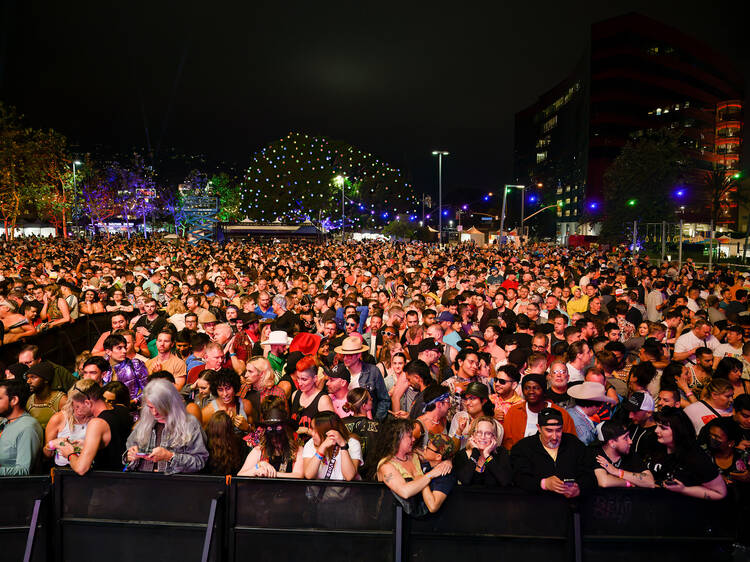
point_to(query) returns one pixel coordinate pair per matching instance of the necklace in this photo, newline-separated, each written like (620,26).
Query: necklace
(400,459)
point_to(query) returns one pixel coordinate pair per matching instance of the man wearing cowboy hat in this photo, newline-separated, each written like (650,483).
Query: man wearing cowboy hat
(278,340)
(364,375)
(589,397)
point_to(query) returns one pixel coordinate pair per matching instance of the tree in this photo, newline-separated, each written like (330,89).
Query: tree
(54,187)
(98,200)
(639,182)
(400,229)
(227,189)
(718,186)
(17,170)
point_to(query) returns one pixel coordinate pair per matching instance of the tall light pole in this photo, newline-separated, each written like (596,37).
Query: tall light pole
(505,196)
(440,154)
(341,182)
(65,228)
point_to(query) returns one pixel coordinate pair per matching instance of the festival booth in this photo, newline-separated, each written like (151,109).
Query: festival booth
(34,228)
(473,235)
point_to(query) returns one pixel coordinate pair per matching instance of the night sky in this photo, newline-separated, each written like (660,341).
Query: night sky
(395,79)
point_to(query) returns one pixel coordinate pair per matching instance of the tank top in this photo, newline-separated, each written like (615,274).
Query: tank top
(240,412)
(110,456)
(302,415)
(77,434)
(43,411)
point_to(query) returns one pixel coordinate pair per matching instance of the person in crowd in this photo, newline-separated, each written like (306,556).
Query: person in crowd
(338,388)
(225,447)
(552,460)
(166,360)
(363,374)
(483,462)
(557,385)
(308,400)
(407,399)
(435,416)
(730,368)
(720,438)
(43,402)
(94,368)
(62,379)
(439,448)
(716,401)
(91,303)
(55,309)
(65,425)
(225,384)
(476,399)
(682,466)
(20,433)
(165,439)
(115,392)
(358,419)
(613,462)
(259,382)
(106,432)
(331,453)
(589,397)
(642,429)
(521,419)
(401,470)
(131,372)
(505,385)
(279,453)
(16,326)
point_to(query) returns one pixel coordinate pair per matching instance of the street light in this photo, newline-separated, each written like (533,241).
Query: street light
(340,181)
(440,154)
(75,163)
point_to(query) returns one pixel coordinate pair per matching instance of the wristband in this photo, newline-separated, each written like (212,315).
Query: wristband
(319,456)
(488,459)
(689,393)
(232,355)
(544,484)
(345,447)
(621,474)
(628,484)
(257,466)
(71,454)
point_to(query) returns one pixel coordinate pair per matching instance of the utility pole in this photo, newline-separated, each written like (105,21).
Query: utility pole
(440,154)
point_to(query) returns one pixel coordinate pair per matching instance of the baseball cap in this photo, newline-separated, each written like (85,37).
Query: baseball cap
(550,416)
(446,316)
(639,401)
(340,372)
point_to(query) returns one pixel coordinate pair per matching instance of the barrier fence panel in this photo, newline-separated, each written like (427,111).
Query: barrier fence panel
(18,495)
(625,523)
(309,520)
(493,524)
(61,345)
(128,516)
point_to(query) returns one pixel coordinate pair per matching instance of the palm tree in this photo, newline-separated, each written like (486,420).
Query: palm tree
(718,186)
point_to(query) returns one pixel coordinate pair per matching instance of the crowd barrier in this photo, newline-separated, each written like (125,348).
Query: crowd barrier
(129,516)
(61,344)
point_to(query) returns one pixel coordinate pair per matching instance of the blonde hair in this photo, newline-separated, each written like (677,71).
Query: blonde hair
(481,419)
(175,306)
(267,377)
(73,394)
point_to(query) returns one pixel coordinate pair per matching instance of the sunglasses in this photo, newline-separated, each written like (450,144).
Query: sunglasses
(502,381)
(351,324)
(389,334)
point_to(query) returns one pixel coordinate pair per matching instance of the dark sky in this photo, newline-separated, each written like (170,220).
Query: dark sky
(395,79)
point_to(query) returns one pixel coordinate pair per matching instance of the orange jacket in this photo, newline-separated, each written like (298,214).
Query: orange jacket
(514,423)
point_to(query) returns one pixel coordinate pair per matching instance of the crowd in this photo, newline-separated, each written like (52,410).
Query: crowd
(552,369)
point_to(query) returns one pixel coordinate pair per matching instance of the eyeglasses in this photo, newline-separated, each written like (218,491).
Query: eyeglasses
(502,381)
(351,324)
(389,334)
(563,372)
(484,433)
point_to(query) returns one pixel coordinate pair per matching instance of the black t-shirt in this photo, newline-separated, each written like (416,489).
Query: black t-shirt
(110,457)
(632,462)
(442,484)
(692,467)
(645,442)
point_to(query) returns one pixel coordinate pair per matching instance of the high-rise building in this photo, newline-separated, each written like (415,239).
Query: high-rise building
(637,75)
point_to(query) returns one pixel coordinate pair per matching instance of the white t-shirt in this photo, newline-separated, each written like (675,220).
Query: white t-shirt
(689,340)
(726,350)
(355,452)
(532,418)
(574,374)
(700,414)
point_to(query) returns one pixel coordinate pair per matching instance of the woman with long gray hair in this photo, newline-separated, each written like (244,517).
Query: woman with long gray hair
(165,439)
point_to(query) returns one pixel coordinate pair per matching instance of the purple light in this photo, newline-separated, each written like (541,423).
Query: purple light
(532,198)
(465,207)
(445,213)
(427,216)
(593,205)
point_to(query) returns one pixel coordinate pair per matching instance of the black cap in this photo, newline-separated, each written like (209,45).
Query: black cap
(429,344)
(339,371)
(477,389)
(550,416)
(18,370)
(291,361)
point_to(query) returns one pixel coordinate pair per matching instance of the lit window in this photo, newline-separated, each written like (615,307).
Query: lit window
(548,125)
(567,212)
(658,110)
(567,200)
(559,190)
(686,104)
(541,156)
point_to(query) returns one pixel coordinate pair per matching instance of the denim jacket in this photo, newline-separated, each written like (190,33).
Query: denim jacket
(187,458)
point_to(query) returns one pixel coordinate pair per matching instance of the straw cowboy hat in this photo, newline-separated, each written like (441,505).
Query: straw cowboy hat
(590,390)
(277,337)
(350,346)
